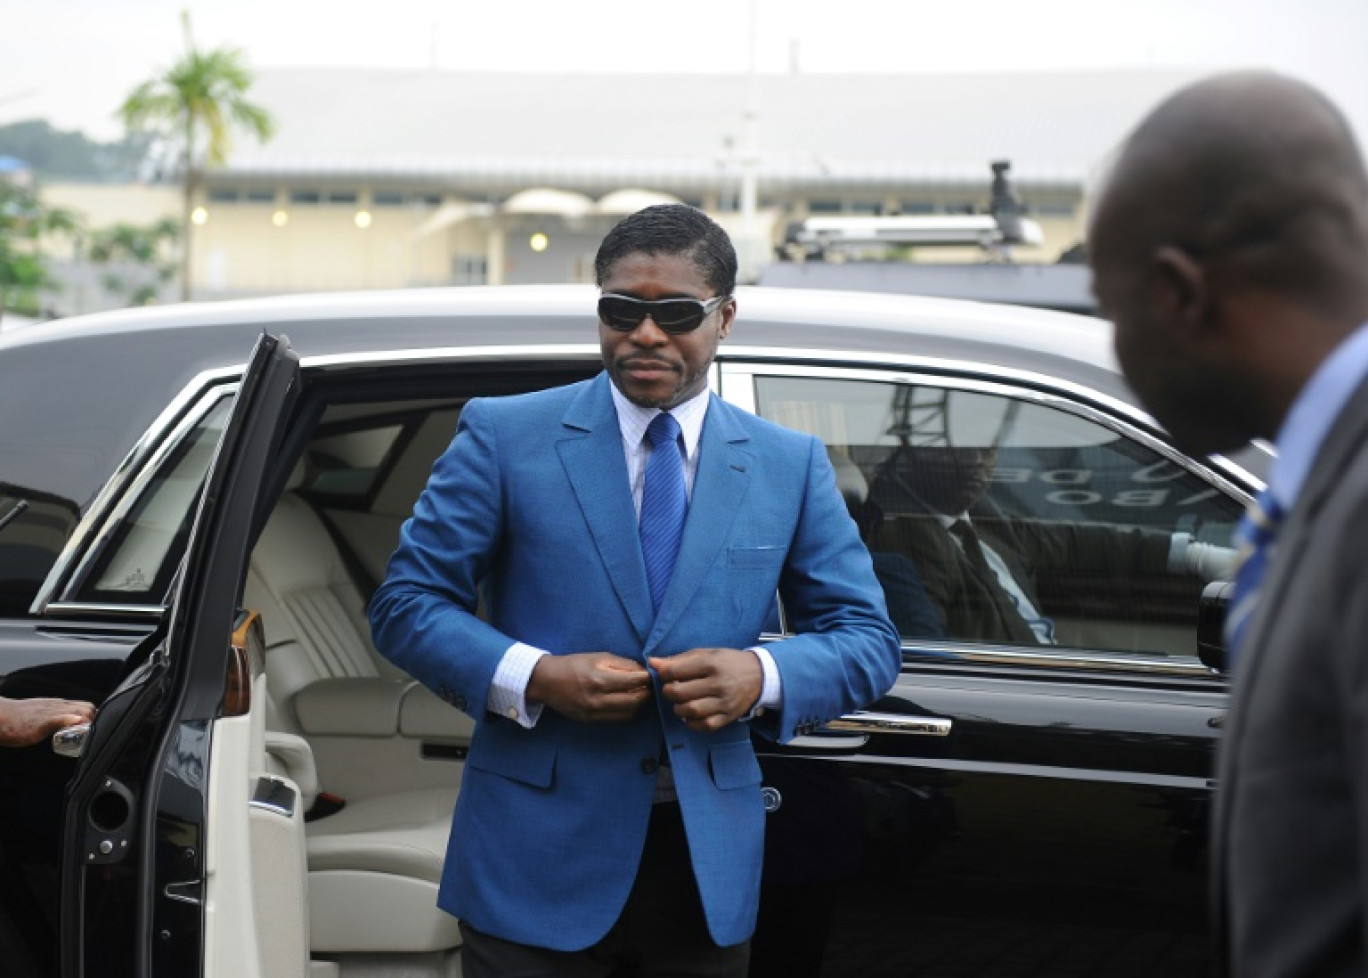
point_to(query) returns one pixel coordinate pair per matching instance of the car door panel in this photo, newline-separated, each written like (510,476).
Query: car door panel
(1055,808)
(1006,808)
(132,903)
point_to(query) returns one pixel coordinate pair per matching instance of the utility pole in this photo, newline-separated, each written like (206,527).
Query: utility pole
(751,254)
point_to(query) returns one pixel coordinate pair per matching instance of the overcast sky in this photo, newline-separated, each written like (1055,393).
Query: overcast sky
(72,61)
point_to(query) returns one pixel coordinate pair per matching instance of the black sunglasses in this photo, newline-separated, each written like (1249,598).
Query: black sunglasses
(674,316)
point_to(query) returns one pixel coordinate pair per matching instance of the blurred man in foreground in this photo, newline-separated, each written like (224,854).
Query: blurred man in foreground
(1230,248)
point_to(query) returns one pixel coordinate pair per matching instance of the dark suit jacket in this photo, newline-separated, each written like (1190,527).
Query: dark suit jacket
(1290,843)
(975,607)
(530,506)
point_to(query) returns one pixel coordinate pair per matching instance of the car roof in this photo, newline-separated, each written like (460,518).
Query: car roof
(110,374)
(217,334)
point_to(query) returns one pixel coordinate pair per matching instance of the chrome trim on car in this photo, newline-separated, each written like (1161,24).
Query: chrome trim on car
(870,721)
(1083,661)
(380,358)
(140,612)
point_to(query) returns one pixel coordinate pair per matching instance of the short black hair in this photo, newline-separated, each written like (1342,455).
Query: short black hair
(672,229)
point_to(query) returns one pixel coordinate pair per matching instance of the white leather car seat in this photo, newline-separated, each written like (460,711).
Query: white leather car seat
(314,613)
(374,866)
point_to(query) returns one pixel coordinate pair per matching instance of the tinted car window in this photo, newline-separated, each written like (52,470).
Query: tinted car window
(136,563)
(34,527)
(999,519)
(344,467)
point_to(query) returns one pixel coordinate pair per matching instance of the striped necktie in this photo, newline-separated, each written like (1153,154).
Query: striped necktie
(1254,538)
(663,504)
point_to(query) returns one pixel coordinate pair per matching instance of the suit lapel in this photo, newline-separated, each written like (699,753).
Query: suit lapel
(1341,446)
(592,456)
(724,463)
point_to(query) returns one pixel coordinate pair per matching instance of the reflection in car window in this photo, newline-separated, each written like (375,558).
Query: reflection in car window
(997,520)
(135,566)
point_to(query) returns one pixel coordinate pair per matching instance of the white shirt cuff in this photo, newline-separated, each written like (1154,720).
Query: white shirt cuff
(508,688)
(772,692)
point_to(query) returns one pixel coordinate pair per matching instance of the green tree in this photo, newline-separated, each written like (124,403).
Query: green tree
(195,105)
(58,154)
(134,259)
(24,222)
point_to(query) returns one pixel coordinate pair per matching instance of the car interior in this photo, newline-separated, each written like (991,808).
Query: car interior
(376,757)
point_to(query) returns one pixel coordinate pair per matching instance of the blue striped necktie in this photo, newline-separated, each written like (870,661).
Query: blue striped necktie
(1254,538)
(663,504)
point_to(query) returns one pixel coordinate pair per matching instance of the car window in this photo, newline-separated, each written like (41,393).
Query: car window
(143,548)
(34,528)
(997,519)
(344,467)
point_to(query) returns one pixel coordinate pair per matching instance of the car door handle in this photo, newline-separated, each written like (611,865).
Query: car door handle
(868,721)
(71,741)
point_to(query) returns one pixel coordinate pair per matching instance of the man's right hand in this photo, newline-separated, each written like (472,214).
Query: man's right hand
(592,687)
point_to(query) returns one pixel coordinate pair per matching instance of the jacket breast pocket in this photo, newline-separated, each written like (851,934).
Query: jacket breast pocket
(755,558)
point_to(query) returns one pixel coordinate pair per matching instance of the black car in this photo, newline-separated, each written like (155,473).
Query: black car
(196,501)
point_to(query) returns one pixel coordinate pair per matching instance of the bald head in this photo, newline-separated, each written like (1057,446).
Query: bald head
(1230,250)
(1254,172)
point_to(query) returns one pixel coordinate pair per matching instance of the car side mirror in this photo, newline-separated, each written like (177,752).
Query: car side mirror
(1211,616)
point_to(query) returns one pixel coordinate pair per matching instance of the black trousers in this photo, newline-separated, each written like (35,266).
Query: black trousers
(661,934)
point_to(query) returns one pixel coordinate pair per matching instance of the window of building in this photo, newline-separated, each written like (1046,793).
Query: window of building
(347,197)
(222,195)
(258,196)
(824,207)
(469,270)
(305,197)
(387,199)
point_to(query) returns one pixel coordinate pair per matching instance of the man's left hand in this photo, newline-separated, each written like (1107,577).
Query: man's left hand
(711,688)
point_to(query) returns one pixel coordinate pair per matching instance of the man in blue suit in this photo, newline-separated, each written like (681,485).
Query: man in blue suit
(628,536)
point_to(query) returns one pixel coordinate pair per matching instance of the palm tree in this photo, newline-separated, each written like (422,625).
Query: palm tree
(196,104)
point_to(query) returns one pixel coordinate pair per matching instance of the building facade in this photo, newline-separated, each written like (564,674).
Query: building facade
(393,179)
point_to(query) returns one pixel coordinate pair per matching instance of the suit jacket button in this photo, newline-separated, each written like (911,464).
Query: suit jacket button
(649,765)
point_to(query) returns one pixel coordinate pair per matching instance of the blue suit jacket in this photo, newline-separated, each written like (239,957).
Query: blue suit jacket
(530,507)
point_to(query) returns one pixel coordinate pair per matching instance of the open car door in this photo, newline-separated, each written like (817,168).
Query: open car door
(138,856)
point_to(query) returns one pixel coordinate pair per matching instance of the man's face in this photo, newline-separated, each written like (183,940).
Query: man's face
(653,368)
(949,480)
(1200,398)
